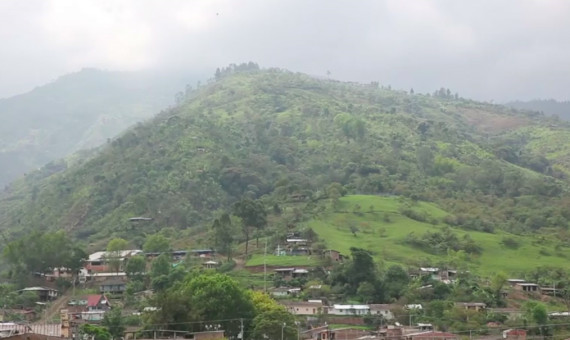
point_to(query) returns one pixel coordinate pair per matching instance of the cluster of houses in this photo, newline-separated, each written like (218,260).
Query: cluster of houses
(104,271)
(396,332)
(295,245)
(386,311)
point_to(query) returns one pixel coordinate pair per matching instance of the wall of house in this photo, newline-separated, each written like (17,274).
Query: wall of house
(32,336)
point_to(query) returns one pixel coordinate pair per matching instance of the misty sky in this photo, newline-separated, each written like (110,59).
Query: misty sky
(491,50)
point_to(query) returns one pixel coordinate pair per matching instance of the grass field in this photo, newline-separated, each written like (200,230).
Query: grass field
(247,279)
(384,238)
(272,260)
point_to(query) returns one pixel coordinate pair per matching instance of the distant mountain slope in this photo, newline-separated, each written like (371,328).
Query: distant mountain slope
(279,136)
(77,111)
(548,106)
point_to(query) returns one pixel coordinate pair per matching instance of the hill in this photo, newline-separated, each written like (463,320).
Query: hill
(77,111)
(283,137)
(388,239)
(547,106)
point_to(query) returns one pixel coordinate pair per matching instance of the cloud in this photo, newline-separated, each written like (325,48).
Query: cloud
(484,49)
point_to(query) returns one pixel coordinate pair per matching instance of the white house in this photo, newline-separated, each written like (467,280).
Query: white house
(384,310)
(349,310)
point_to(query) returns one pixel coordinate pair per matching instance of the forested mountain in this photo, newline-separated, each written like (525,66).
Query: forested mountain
(279,136)
(77,111)
(547,106)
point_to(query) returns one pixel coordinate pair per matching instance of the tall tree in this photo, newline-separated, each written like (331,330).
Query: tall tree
(253,215)
(222,229)
(135,268)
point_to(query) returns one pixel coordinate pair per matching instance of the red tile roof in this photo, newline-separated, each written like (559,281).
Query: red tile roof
(93,300)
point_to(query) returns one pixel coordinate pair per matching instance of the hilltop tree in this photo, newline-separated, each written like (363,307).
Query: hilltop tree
(253,215)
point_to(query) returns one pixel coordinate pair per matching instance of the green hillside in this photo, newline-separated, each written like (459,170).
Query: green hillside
(77,111)
(385,239)
(290,140)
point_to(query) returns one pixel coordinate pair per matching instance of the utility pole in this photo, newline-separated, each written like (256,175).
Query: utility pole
(240,335)
(282,329)
(265,268)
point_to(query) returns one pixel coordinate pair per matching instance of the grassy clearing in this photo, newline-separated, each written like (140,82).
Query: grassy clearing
(272,260)
(384,239)
(247,279)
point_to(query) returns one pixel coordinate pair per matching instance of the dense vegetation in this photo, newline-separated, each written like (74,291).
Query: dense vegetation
(77,111)
(274,136)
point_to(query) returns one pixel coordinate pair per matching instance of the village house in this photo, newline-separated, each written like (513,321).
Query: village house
(56,273)
(44,293)
(300,251)
(319,333)
(432,336)
(285,291)
(210,264)
(527,287)
(514,334)
(476,306)
(391,332)
(349,309)
(384,310)
(430,271)
(294,241)
(292,273)
(112,286)
(334,255)
(550,291)
(175,255)
(97,302)
(514,282)
(305,307)
(101,277)
(100,261)
(558,315)
(203,253)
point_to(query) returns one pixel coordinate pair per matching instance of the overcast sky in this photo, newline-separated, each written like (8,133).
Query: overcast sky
(491,50)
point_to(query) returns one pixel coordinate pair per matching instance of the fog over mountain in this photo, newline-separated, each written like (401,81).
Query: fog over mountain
(78,111)
(486,50)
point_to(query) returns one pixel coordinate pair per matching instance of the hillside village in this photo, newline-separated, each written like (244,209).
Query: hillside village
(324,210)
(104,282)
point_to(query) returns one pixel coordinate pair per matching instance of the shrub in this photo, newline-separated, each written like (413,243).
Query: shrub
(510,242)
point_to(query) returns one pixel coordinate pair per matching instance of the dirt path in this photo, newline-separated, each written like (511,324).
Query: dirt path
(54,308)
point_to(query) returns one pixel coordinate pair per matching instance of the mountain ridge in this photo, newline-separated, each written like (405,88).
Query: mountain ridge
(273,135)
